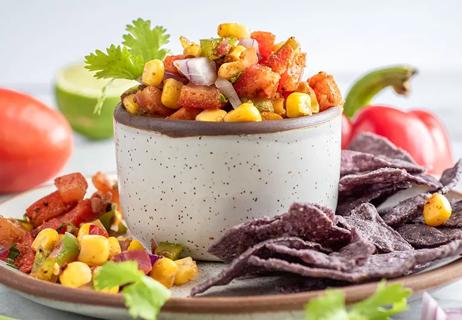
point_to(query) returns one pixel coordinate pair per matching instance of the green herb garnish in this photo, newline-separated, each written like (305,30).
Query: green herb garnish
(13,253)
(140,44)
(387,301)
(143,295)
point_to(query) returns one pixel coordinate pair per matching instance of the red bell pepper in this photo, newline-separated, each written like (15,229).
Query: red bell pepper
(418,132)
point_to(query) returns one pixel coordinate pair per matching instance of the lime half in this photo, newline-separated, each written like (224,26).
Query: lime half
(77,91)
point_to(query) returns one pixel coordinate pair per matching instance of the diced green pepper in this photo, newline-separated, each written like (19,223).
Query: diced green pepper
(208,47)
(111,218)
(66,251)
(263,105)
(169,250)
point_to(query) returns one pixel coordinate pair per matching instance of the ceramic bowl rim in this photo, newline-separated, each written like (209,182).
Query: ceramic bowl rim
(190,128)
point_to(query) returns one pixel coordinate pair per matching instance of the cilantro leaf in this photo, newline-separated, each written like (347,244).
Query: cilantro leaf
(143,295)
(144,41)
(384,303)
(145,298)
(116,63)
(141,44)
(114,274)
(330,306)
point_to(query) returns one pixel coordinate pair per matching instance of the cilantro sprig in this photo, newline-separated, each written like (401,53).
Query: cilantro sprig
(143,295)
(387,301)
(140,44)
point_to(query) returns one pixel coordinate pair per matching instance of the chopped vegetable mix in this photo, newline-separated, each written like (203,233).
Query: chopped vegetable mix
(260,74)
(78,242)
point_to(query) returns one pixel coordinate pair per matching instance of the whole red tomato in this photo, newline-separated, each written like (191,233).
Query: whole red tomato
(35,141)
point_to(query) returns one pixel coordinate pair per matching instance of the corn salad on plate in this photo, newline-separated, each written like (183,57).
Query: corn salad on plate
(71,288)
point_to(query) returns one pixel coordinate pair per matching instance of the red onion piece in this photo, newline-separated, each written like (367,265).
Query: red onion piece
(227,89)
(140,256)
(4,252)
(250,43)
(200,71)
(431,310)
(154,258)
(168,75)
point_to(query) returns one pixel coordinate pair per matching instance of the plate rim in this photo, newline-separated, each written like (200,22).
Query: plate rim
(418,282)
(23,283)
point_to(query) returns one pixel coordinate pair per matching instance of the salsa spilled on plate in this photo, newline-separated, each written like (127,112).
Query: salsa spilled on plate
(66,238)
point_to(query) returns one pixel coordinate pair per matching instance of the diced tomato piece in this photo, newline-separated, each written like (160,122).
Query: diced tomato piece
(326,89)
(185,114)
(149,100)
(72,187)
(26,257)
(257,81)
(102,182)
(280,60)
(83,212)
(10,232)
(95,230)
(290,79)
(168,62)
(47,208)
(54,223)
(265,43)
(200,97)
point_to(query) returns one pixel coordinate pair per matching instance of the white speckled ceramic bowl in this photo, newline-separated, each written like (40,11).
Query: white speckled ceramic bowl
(189,181)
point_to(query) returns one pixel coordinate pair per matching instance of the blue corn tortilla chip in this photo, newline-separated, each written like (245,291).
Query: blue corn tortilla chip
(379,146)
(456,217)
(346,205)
(404,211)
(451,177)
(379,179)
(348,257)
(355,162)
(424,236)
(377,266)
(368,224)
(306,221)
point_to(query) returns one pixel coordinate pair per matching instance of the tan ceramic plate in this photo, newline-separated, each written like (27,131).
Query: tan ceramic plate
(250,298)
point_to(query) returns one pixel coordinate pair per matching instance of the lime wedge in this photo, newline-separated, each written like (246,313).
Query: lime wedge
(76,93)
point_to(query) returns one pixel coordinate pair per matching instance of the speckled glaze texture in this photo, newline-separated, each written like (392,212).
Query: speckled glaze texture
(190,190)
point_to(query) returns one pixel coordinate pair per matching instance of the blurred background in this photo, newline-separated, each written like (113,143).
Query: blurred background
(346,38)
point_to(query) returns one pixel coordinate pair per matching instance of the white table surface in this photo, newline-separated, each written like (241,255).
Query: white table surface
(90,156)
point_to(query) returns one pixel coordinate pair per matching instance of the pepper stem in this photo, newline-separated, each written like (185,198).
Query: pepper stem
(364,90)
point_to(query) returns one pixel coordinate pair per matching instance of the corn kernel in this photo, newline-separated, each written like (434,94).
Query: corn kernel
(135,245)
(230,70)
(164,271)
(235,53)
(130,104)
(153,72)
(94,250)
(171,93)
(189,47)
(192,50)
(114,246)
(75,275)
(437,210)
(234,30)
(212,115)
(84,230)
(270,116)
(298,104)
(113,290)
(246,112)
(45,240)
(278,106)
(187,271)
